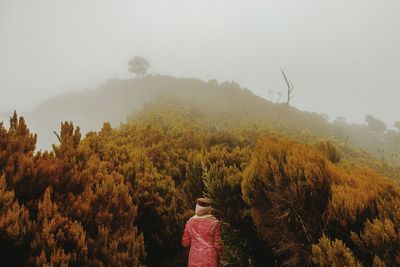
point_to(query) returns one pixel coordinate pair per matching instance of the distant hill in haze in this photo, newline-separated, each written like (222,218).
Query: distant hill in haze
(112,101)
(226,104)
(116,99)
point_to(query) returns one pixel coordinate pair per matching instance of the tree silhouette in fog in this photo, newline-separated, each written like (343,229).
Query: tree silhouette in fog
(376,126)
(139,66)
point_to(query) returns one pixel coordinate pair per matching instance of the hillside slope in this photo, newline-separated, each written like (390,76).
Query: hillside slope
(227,105)
(121,196)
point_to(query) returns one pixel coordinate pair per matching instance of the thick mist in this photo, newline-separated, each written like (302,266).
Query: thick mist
(342,56)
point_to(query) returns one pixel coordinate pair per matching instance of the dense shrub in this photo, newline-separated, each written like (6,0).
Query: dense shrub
(287,186)
(120,197)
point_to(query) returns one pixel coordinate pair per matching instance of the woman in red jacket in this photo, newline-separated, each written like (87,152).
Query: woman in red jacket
(203,235)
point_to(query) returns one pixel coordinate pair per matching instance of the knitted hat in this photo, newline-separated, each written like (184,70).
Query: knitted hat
(204,202)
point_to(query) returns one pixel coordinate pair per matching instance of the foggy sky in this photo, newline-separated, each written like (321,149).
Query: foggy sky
(342,56)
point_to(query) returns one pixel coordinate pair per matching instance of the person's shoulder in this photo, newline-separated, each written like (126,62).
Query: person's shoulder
(214,220)
(208,217)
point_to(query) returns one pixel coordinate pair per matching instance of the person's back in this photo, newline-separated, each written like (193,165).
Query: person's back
(203,235)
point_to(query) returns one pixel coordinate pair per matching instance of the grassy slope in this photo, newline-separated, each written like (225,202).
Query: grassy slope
(226,105)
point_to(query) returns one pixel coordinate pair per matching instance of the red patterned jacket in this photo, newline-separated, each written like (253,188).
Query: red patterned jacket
(203,235)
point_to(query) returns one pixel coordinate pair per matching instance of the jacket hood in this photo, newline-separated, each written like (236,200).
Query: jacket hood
(201,211)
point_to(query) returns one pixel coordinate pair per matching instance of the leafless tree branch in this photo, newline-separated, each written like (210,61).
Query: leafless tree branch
(289,87)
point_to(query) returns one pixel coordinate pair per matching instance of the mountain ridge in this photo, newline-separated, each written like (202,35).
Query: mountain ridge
(116,99)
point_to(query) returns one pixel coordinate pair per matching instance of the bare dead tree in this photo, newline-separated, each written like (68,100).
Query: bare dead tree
(58,136)
(289,87)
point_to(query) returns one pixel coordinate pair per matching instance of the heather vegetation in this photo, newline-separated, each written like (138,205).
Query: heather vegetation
(288,187)
(115,99)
